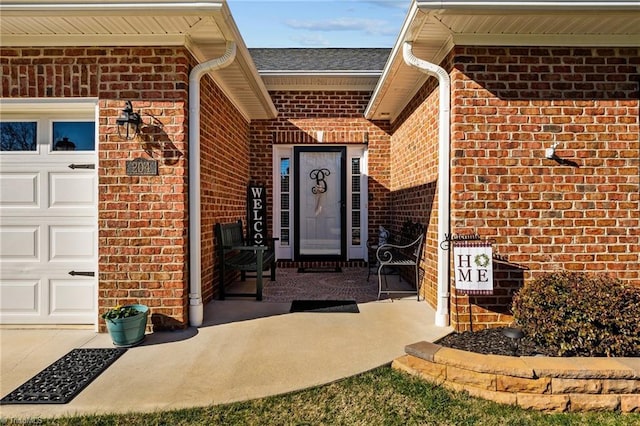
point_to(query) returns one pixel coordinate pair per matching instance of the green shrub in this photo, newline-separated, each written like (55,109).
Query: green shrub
(578,314)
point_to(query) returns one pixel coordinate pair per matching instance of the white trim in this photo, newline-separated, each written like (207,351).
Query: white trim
(352,151)
(357,251)
(529,5)
(584,40)
(49,105)
(388,71)
(196,307)
(280,152)
(28,40)
(159,7)
(444,147)
(320,73)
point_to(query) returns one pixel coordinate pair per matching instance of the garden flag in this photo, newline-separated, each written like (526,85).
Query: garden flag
(473,267)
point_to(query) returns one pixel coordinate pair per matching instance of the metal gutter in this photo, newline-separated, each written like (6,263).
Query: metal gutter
(322,73)
(506,5)
(157,6)
(196,307)
(444,172)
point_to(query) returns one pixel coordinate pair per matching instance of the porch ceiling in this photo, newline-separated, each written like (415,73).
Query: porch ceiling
(318,81)
(203,27)
(434,31)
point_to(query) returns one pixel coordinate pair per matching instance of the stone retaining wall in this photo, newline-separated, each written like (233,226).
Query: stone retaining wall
(540,383)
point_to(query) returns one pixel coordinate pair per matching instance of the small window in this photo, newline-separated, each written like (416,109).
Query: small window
(18,136)
(74,136)
(356,196)
(285,202)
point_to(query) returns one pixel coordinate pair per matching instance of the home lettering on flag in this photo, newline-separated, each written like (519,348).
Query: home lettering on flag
(473,267)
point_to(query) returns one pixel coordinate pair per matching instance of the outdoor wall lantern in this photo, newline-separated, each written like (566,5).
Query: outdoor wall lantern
(550,153)
(128,122)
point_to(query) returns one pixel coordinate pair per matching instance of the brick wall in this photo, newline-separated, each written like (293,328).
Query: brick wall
(143,221)
(340,116)
(414,176)
(224,162)
(580,212)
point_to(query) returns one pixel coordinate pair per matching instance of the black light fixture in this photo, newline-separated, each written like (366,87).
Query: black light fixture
(515,334)
(128,122)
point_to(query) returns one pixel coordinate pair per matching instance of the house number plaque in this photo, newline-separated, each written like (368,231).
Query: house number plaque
(142,167)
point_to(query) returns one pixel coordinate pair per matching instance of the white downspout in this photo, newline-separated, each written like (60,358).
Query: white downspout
(196,308)
(442,308)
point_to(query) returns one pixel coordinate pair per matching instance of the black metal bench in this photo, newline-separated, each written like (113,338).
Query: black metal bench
(402,251)
(235,254)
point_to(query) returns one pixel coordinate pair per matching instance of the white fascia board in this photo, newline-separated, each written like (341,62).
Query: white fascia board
(158,7)
(395,57)
(319,73)
(549,5)
(231,32)
(575,40)
(93,40)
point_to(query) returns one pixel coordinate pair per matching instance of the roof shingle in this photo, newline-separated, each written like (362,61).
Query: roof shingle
(323,59)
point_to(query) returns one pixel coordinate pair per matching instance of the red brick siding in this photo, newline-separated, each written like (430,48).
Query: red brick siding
(340,115)
(414,177)
(224,163)
(509,104)
(143,221)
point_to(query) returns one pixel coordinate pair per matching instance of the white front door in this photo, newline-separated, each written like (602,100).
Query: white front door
(294,202)
(320,188)
(48,215)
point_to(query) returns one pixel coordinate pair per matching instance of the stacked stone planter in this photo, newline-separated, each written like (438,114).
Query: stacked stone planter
(540,383)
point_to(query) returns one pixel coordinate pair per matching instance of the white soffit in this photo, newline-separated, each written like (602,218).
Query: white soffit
(318,81)
(436,27)
(203,27)
(70,23)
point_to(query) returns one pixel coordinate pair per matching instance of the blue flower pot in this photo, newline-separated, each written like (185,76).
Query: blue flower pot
(128,332)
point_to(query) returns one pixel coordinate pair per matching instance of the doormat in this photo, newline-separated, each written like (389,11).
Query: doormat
(60,382)
(331,269)
(348,306)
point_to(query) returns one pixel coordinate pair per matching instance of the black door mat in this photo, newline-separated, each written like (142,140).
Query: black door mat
(348,306)
(321,269)
(60,382)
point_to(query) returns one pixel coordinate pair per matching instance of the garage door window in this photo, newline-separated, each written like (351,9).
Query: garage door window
(73,136)
(18,136)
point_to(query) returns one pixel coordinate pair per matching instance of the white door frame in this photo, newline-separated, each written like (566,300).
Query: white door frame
(356,158)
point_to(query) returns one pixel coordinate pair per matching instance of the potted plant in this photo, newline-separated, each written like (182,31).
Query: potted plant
(127,324)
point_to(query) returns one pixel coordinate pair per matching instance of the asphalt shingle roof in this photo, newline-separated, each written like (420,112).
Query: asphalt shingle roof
(323,59)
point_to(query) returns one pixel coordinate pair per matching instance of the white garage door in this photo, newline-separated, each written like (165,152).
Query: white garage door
(48,213)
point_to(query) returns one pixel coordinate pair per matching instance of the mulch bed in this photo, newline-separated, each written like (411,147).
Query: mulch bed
(491,342)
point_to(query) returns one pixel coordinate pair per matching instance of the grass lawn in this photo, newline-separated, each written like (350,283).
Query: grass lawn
(379,397)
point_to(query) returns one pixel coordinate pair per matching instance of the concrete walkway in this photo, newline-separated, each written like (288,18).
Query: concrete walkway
(245,350)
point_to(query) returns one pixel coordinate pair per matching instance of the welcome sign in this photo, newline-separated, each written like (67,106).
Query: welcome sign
(473,267)
(256,214)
